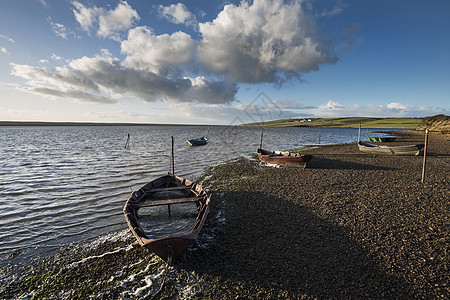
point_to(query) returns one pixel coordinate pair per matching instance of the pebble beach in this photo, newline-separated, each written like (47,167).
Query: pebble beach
(348,226)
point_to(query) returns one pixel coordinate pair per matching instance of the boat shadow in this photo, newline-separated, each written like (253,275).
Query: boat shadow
(435,153)
(275,246)
(336,163)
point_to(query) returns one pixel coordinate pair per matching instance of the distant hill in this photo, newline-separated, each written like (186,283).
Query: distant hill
(439,123)
(352,122)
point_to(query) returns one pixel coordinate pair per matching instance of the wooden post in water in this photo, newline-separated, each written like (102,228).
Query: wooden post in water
(425,155)
(127,143)
(172,165)
(172,159)
(319,135)
(260,143)
(359,132)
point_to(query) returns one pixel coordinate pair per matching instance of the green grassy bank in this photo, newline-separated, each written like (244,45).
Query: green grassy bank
(352,122)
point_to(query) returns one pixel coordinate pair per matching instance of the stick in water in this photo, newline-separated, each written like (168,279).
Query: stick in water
(260,143)
(359,132)
(127,144)
(172,160)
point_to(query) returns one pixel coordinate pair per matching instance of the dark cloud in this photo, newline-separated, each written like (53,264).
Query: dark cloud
(102,78)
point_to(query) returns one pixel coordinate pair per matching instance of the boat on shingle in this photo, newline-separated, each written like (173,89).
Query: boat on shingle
(283,157)
(390,150)
(166,190)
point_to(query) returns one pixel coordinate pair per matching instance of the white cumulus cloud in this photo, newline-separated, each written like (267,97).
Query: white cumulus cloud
(158,54)
(397,105)
(44,3)
(85,16)
(113,21)
(177,14)
(265,41)
(393,109)
(109,23)
(56,57)
(331,105)
(7,38)
(61,30)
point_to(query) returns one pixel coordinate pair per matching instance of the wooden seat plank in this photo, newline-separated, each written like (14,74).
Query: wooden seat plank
(170,201)
(172,188)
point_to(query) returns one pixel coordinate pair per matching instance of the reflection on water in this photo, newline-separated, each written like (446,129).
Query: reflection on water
(65,184)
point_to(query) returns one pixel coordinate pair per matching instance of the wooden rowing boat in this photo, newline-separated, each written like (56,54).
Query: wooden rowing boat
(286,157)
(166,190)
(282,157)
(390,150)
(198,142)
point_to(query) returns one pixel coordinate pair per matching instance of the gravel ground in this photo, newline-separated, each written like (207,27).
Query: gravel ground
(349,226)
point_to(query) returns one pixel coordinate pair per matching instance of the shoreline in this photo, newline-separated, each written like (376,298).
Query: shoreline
(350,225)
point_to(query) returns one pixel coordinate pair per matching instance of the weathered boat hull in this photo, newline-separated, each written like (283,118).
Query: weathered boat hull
(390,150)
(170,246)
(285,158)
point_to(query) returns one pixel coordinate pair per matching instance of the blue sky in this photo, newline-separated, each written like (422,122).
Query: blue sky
(222,62)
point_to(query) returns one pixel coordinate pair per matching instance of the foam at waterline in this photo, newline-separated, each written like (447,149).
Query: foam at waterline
(208,235)
(131,278)
(120,273)
(75,264)
(149,280)
(267,164)
(110,237)
(93,244)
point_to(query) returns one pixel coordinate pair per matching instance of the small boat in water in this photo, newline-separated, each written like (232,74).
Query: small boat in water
(198,142)
(390,150)
(286,157)
(166,190)
(383,139)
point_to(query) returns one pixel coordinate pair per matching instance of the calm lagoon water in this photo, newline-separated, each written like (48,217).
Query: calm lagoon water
(66,184)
